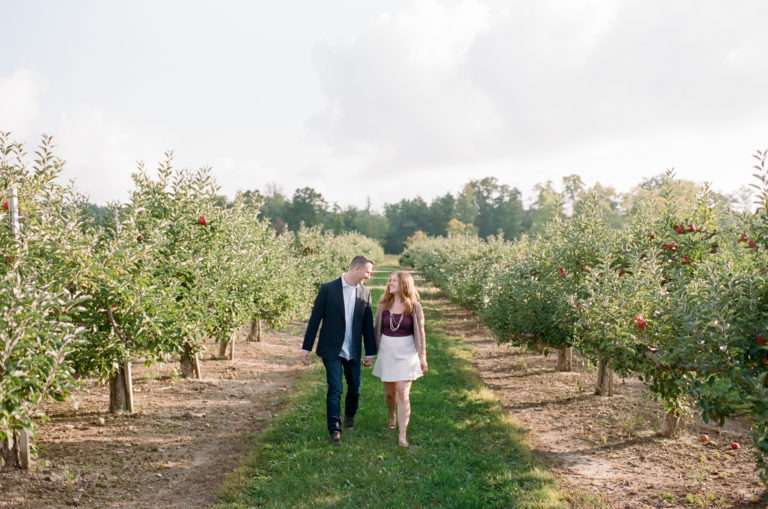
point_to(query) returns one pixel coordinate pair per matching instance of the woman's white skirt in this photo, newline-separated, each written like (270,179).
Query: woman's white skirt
(397,359)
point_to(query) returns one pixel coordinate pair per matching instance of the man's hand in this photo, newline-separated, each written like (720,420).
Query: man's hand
(368,361)
(305,357)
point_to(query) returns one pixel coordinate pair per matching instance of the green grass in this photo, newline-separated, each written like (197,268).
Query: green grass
(464,453)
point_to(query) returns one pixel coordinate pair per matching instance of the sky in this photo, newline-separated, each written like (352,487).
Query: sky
(382,100)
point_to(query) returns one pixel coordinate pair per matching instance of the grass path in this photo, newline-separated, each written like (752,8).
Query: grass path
(463,454)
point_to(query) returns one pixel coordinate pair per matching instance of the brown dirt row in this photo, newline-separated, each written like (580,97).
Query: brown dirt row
(605,451)
(175,451)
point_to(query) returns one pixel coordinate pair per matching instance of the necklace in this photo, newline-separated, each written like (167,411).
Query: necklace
(392,326)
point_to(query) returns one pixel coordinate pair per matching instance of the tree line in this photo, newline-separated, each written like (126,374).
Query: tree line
(483,207)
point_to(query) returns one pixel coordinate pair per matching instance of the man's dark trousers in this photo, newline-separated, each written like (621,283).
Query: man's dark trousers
(333,369)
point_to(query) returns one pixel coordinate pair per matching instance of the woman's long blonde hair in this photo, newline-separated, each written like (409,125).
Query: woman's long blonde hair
(408,293)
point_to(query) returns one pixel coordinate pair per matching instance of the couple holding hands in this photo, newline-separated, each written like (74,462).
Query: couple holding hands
(395,338)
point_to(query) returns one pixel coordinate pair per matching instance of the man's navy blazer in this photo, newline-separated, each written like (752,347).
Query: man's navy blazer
(329,309)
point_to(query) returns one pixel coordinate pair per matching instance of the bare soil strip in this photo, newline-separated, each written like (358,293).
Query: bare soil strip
(175,451)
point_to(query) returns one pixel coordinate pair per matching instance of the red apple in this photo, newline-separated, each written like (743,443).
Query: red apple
(752,244)
(640,322)
(735,445)
(704,438)
(202,221)
(691,228)
(5,205)
(760,340)
(562,272)
(680,229)
(743,237)
(686,260)
(669,246)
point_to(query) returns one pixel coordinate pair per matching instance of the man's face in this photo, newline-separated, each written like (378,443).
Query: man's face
(362,273)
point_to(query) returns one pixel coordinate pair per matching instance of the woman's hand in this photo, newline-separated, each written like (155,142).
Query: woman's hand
(424,365)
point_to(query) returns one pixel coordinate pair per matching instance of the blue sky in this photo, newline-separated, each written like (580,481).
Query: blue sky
(386,99)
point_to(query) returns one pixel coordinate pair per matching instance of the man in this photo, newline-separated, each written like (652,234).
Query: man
(344,308)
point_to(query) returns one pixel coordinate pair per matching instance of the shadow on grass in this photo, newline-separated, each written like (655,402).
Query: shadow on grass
(519,372)
(523,405)
(587,454)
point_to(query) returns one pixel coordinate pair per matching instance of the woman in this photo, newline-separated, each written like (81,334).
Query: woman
(402,348)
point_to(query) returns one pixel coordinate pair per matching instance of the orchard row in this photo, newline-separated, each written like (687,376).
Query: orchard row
(83,295)
(676,294)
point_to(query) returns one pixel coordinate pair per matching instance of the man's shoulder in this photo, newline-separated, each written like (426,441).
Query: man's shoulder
(324,287)
(330,283)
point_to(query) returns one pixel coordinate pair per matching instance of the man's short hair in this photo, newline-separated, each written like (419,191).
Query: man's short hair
(359,261)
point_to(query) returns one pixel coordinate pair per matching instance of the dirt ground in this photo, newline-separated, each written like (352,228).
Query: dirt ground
(605,450)
(175,451)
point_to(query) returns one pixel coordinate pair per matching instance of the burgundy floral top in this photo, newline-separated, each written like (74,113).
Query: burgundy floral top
(405,328)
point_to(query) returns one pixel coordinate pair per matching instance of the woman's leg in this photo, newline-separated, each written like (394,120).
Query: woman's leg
(403,390)
(389,395)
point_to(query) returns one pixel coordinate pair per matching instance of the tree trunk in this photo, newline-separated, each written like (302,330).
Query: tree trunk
(8,453)
(673,420)
(22,446)
(190,364)
(565,359)
(255,333)
(604,379)
(121,390)
(15,450)
(223,348)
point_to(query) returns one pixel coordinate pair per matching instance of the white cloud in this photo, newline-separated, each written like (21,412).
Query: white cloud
(400,91)
(433,35)
(101,151)
(20,102)
(434,91)
(445,83)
